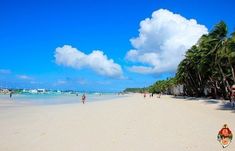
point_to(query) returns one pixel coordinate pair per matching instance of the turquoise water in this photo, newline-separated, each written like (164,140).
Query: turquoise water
(58,98)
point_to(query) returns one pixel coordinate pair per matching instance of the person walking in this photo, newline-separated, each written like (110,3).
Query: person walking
(83,98)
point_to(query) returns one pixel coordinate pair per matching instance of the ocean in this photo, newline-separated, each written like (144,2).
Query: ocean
(55,98)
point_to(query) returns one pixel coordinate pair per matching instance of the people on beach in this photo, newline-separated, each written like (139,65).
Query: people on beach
(232,100)
(83,98)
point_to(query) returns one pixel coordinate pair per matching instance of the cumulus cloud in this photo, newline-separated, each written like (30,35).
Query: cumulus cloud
(97,61)
(162,42)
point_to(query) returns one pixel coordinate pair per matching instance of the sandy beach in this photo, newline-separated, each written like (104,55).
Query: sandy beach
(124,124)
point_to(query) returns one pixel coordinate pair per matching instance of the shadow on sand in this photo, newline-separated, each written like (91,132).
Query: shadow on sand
(185,98)
(224,105)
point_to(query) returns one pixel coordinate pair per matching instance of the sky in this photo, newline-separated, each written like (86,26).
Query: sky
(100,45)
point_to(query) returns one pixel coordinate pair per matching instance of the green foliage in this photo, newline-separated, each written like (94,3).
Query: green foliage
(162,85)
(209,64)
(135,90)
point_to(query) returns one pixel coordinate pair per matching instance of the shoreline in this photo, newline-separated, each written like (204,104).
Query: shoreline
(42,100)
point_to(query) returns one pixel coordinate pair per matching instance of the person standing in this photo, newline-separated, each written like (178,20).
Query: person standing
(83,98)
(11,94)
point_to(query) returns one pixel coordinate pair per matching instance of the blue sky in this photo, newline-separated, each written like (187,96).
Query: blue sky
(31,32)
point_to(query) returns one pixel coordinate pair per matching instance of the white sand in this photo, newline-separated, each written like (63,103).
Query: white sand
(124,124)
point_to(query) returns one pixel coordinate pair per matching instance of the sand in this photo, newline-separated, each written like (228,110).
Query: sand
(123,124)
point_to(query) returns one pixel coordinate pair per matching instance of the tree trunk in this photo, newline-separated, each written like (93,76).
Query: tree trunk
(233,72)
(215,87)
(225,81)
(216,90)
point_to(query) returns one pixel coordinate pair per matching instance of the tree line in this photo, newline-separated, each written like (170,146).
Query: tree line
(136,90)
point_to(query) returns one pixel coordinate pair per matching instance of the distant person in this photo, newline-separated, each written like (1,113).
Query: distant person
(11,94)
(144,95)
(83,98)
(233,96)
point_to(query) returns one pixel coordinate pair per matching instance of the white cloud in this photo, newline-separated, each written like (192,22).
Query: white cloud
(82,81)
(24,77)
(162,42)
(141,69)
(97,61)
(60,82)
(5,71)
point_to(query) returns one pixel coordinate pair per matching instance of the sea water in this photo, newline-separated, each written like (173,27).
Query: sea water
(58,98)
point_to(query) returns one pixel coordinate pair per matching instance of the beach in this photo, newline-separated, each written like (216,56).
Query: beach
(132,123)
